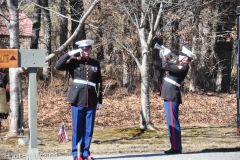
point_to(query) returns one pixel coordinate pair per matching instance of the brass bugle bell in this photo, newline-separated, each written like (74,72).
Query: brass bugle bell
(158,46)
(4,108)
(166,53)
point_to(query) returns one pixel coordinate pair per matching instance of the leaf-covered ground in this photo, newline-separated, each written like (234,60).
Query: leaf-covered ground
(120,109)
(124,110)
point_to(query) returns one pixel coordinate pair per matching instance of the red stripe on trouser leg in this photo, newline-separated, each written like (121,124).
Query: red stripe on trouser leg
(172,124)
(86,95)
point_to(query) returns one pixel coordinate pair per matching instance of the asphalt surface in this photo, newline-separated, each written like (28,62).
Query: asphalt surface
(160,156)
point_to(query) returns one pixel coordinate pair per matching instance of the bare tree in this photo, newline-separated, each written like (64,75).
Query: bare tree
(145,22)
(12,22)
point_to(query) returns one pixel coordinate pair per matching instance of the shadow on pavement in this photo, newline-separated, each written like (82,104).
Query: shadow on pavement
(162,154)
(222,150)
(236,149)
(134,156)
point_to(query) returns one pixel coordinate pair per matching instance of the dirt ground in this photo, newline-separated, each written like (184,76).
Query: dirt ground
(207,120)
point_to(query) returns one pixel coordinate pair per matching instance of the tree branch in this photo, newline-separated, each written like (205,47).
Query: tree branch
(129,51)
(144,15)
(6,20)
(130,16)
(153,30)
(54,12)
(74,35)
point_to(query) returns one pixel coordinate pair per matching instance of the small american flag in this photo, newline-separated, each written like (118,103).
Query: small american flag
(62,134)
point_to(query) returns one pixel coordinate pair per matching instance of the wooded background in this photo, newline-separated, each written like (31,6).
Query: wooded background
(208,28)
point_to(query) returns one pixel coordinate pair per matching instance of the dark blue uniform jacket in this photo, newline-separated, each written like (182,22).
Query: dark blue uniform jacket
(84,69)
(170,91)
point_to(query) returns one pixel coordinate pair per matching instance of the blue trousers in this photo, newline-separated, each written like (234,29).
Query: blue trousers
(174,129)
(82,129)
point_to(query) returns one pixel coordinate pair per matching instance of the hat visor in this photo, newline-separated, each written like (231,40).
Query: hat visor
(85,47)
(183,54)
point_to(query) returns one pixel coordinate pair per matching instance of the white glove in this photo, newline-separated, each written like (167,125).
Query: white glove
(71,53)
(99,106)
(166,52)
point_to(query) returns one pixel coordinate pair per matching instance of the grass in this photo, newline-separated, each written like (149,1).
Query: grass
(195,138)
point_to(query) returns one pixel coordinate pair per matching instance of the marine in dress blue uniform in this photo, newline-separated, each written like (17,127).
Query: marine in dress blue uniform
(170,92)
(84,96)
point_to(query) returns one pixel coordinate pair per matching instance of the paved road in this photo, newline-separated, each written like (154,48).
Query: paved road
(162,156)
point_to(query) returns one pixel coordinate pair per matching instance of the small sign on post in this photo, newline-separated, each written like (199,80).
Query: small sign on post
(8,58)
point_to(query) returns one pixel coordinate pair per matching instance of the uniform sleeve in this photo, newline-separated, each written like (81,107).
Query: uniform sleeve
(8,95)
(5,80)
(99,87)
(172,67)
(62,63)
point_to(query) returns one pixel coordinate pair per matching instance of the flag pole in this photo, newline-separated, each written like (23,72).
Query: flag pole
(62,134)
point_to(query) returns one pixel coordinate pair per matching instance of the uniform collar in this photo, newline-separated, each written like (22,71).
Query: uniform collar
(86,59)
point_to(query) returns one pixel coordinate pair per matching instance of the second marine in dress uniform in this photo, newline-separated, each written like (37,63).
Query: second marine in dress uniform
(170,92)
(85,95)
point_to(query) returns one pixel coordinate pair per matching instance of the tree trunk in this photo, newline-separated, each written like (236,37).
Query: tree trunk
(47,39)
(14,77)
(126,72)
(145,122)
(63,21)
(224,56)
(157,71)
(63,31)
(76,12)
(36,19)
(15,102)
(224,46)
(193,66)
(100,51)
(219,77)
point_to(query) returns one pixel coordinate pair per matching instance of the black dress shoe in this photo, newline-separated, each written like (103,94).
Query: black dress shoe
(88,158)
(76,158)
(171,151)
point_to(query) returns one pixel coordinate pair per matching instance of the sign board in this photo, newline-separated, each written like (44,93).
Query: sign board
(31,58)
(13,58)
(8,58)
